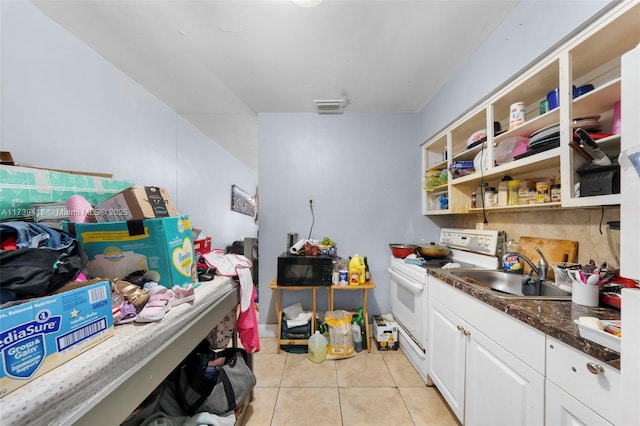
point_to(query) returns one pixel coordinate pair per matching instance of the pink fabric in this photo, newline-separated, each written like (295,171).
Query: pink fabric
(248,328)
(231,265)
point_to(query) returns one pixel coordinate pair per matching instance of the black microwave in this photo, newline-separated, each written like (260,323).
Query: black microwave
(296,270)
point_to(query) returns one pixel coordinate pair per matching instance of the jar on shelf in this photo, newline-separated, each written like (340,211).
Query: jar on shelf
(503,191)
(514,192)
(490,197)
(555,193)
(543,192)
(523,193)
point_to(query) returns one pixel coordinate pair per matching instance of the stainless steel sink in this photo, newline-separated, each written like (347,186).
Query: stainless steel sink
(508,286)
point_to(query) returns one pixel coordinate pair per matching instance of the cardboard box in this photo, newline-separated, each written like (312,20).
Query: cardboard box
(202,246)
(116,249)
(39,335)
(385,334)
(22,187)
(136,203)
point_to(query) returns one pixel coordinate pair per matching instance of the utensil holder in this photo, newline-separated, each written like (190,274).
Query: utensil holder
(585,295)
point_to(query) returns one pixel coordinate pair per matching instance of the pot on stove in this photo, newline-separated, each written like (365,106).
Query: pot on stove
(433,250)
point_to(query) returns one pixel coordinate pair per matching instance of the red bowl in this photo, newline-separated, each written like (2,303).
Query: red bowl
(402,250)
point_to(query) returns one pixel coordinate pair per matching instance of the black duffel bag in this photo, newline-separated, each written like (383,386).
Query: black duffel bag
(215,390)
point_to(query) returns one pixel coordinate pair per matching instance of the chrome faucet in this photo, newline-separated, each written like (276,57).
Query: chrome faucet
(541,269)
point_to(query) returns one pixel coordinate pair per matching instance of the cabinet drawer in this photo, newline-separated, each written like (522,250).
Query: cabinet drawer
(571,370)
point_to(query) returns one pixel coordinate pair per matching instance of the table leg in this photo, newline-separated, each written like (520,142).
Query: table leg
(366,319)
(313,310)
(278,295)
(330,298)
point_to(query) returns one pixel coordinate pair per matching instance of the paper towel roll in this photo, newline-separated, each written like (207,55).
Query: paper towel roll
(297,246)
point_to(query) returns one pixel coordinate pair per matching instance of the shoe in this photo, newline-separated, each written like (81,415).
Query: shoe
(155,309)
(134,294)
(128,314)
(179,295)
(153,287)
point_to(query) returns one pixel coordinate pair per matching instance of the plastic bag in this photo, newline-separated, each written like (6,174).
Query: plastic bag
(340,335)
(509,148)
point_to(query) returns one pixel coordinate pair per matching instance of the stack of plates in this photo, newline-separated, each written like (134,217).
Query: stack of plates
(589,123)
(544,136)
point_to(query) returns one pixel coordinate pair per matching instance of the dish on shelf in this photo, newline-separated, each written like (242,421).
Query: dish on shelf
(543,141)
(590,123)
(476,138)
(545,131)
(477,164)
(538,149)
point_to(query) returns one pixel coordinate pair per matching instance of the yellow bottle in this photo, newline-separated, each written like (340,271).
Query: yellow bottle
(356,270)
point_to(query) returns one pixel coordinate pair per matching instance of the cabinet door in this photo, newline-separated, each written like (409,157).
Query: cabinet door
(500,389)
(564,410)
(445,351)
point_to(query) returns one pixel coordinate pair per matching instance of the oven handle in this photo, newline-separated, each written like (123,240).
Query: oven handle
(412,287)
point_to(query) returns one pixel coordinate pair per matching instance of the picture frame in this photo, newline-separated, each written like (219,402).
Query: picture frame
(242,201)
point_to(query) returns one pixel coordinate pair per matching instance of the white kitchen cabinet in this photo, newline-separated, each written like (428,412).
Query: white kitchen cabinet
(482,381)
(591,57)
(588,389)
(565,410)
(446,352)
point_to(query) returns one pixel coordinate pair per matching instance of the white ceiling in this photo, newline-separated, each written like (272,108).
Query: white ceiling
(219,63)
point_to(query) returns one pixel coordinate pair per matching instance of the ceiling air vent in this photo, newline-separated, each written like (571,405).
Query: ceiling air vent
(330,107)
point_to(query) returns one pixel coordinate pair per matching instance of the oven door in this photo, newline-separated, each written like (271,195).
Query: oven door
(409,305)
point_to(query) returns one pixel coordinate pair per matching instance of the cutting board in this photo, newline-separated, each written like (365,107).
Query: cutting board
(553,250)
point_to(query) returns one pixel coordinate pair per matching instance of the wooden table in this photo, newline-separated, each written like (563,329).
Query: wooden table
(278,295)
(369,285)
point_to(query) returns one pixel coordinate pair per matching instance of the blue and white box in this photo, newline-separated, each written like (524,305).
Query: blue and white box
(39,335)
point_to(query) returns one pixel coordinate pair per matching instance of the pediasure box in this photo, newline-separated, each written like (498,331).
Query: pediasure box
(39,335)
(116,249)
(136,203)
(385,333)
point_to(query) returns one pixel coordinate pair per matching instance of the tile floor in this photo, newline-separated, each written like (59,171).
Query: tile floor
(377,388)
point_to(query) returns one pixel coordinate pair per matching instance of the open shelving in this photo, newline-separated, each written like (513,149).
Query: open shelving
(591,57)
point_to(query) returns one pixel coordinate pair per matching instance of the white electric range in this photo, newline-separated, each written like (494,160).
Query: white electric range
(469,248)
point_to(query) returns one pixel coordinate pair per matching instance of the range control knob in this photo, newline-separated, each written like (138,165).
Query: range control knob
(480,240)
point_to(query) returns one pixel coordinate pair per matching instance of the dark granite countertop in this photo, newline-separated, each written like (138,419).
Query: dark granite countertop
(554,318)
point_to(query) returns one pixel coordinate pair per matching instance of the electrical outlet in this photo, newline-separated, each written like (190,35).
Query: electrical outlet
(479,225)
(311,202)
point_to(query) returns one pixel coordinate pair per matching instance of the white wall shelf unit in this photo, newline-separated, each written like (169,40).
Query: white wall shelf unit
(591,57)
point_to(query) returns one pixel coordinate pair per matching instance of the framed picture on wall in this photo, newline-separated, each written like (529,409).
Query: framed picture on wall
(242,202)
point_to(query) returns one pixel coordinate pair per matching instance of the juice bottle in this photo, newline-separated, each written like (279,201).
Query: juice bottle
(356,270)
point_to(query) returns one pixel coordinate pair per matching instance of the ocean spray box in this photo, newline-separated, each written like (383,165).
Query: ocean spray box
(116,249)
(39,335)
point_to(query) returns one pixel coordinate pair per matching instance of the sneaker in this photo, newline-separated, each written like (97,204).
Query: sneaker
(179,295)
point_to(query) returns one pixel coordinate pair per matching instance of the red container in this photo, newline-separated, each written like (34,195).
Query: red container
(402,250)
(202,246)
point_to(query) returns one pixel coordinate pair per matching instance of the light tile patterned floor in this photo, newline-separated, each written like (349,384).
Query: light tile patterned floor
(377,388)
